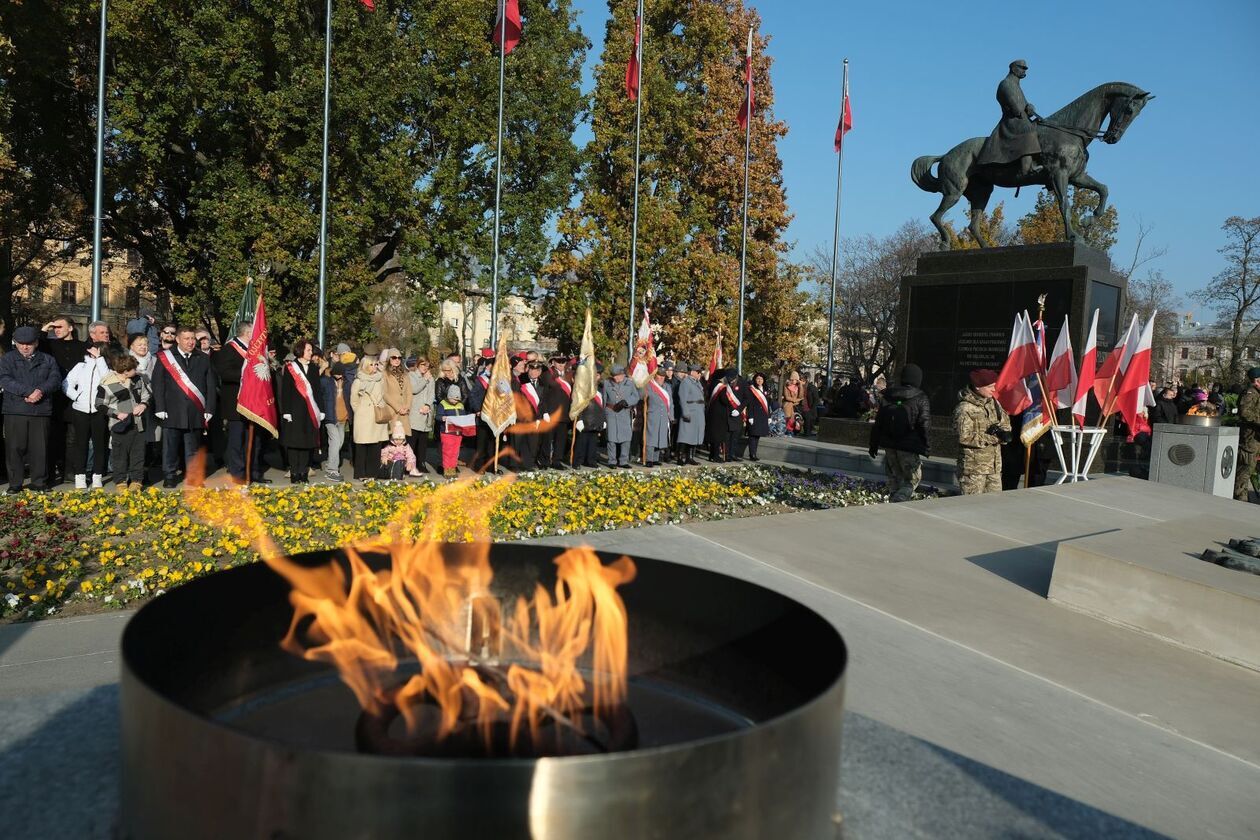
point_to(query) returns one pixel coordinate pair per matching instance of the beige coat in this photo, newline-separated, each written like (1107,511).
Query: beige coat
(365,395)
(396,392)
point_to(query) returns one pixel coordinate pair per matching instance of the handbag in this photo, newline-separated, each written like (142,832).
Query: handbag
(122,427)
(383,413)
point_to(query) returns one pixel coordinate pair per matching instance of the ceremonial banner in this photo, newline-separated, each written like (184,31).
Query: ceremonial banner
(257,398)
(584,379)
(643,365)
(498,408)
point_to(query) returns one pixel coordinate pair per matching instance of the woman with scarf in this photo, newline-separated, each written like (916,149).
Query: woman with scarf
(300,417)
(757,409)
(396,388)
(369,432)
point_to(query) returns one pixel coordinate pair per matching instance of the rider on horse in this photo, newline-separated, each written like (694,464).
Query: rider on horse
(1015,137)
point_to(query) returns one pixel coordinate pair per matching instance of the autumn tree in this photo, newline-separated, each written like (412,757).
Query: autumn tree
(993,227)
(691,191)
(1235,292)
(1044,223)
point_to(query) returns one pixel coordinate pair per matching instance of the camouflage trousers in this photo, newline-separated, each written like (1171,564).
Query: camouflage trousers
(904,471)
(1246,468)
(975,483)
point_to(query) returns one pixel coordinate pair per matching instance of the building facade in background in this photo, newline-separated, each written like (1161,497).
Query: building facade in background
(1199,353)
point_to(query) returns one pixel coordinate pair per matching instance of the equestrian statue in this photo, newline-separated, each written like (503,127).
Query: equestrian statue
(1026,149)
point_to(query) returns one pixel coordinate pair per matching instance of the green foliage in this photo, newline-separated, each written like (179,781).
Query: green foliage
(691,190)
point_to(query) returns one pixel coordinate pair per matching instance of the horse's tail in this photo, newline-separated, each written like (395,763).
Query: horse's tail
(921,173)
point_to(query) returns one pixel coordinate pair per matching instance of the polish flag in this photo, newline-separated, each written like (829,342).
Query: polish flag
(636,56)
(507,26)
(1137,374)
(1113,367)
(745,110)
(846,114)
(369,5)
(715,361)
(1061,374)
(1023,361)
(1089,366)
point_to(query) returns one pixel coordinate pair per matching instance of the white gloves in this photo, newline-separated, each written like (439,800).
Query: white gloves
(546,417)
(581,426)
(321,417)
(161,415)
(207,416)
(287,417)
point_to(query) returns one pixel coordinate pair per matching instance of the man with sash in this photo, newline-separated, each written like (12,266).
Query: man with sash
(619,396)
(300,416)
(689,408)
(184,399)
(660,414)
(725,417)
(555,442)
(532,411)
(228,364)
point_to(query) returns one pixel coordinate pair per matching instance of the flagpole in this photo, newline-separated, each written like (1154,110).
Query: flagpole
(835,240)
(498,190)
(743,251)
(100,170)
(638,125)
(323,192)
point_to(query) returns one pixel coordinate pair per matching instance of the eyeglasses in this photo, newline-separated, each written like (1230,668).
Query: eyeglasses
(168,334)
(395,358)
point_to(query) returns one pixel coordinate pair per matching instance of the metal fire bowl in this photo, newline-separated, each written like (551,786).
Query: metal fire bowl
(741,651)
(1198,420)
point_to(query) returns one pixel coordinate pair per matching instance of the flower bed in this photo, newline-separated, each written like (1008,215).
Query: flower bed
(84,551)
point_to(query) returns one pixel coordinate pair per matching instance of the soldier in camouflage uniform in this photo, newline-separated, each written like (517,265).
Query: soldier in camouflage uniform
(982,427)
(1248,435)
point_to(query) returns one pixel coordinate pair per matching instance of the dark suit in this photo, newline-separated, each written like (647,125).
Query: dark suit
(185,423)
(228,365)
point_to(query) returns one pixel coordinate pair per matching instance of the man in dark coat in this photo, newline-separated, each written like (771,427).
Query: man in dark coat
(555,442)
(724,417)
(29,379)
(184,398)
(533,396)
(67,351)
(1015,137)
(901,430)
(229,364)
(301,417)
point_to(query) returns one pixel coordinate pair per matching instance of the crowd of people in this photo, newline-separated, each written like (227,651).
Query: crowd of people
(101,409)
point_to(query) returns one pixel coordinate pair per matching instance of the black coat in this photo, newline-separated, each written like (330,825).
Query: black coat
(719,419)
(1164,411)
(299,432)
(758,417)
(228,366)
(20,377)
(183,413)
(906,432)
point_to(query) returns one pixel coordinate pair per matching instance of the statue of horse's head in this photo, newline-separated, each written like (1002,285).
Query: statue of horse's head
(1124,109)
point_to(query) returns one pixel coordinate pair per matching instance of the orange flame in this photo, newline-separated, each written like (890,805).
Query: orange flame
(425,631)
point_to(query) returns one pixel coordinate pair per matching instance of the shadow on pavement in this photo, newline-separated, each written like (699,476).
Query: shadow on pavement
(1027,566)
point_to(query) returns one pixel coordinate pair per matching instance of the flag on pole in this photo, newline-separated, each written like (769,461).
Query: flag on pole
(369,5)
(715,362)
(1112,370)
(257,398)
(1022,361)
(507,25)
(498,408)
(745,110)
(1061,372)
(846,115)
(1131,399)
(1089,369)
(1037,419)
(643,365)
(636,56)
(245,310)
(584,379)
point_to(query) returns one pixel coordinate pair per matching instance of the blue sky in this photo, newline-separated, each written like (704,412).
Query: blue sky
(923,76)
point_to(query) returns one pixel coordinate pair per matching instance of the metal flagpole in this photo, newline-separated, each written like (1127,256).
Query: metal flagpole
(634,226)
(498,184)
(835,243)
(100,170)
(743,255)
(323,197)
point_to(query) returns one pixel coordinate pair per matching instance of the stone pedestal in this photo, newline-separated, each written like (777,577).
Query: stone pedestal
(957,310)
(1199,458)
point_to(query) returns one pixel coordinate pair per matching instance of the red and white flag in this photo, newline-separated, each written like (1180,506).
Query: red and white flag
(1023,361)
(643,365)
(507,26)
(257,398)
(369,5)
(1113,367)
(846,114)
(746,109)
(1061,372)
(636,57)
(1089,368)
(1132,392)
(715,361)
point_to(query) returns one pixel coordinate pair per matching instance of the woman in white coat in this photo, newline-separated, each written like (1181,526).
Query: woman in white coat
(422,393)
(366,395)
(89,424)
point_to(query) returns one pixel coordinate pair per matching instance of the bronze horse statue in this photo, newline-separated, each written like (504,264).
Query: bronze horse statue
(1064,136)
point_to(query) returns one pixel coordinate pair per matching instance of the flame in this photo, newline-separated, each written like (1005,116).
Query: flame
(425,631)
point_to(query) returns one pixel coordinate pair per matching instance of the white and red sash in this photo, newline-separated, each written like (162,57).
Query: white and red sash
(599,399)
(531,394)
(240,348)
(565,386)
(730,395)
(484,379)
(181,378)
(663,396)
(761,398)
(303,386)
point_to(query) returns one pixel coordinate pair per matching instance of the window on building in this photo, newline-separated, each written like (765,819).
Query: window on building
(1185,352)
(69,291)
(133,297)
(133,257)
(105,299)
(1211,352)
